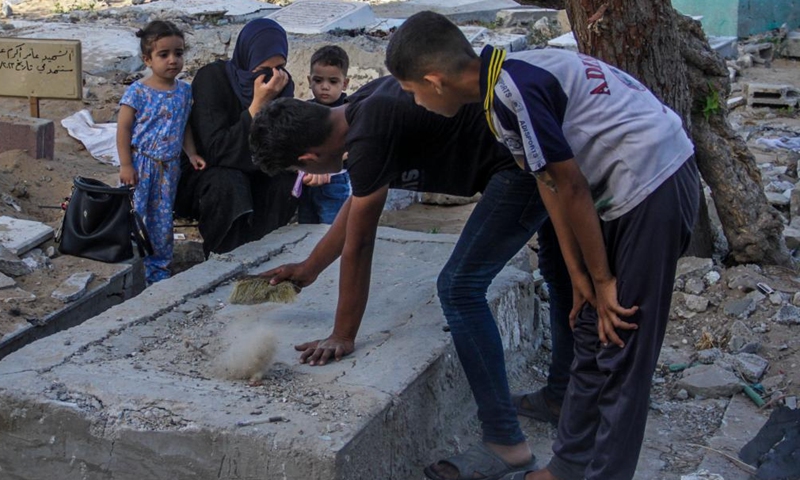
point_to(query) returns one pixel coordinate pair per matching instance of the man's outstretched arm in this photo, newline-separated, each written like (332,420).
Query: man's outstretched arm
(354,278)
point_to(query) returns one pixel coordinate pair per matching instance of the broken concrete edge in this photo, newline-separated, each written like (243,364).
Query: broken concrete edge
(431,401)
(153,302)
(94,299)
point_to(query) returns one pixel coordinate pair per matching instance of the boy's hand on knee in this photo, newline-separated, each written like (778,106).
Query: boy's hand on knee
(582,292)
(608,312)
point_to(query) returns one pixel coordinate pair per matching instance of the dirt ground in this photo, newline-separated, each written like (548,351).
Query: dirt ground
(36,186)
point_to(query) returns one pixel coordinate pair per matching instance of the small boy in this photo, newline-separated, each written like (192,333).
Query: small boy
(599,143)
(328,80)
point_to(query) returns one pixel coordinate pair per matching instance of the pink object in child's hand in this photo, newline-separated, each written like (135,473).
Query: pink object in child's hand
(297,189)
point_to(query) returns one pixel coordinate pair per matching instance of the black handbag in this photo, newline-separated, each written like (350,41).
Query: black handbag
(100,223)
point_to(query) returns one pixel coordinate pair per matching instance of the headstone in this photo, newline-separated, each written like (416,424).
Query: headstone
(238,11)
(19,235)
(40,68)
(320,16)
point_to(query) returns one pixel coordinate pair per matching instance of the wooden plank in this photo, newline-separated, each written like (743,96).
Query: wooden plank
(42,68)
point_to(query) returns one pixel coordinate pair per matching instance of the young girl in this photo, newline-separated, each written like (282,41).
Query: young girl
(151,131)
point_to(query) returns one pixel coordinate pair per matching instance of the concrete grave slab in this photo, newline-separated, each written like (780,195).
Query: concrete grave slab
(320,16)
(237,12)
(456,10)
(131,393)
(103,47)
(20,236)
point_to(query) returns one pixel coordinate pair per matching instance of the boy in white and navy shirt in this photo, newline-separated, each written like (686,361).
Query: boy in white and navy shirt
(616,172)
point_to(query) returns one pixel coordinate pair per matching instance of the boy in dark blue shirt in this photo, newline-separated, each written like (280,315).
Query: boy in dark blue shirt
(321,202)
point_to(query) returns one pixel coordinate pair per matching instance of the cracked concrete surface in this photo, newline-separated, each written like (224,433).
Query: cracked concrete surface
(132,394)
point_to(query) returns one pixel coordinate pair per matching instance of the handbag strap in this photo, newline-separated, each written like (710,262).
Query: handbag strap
(139,232)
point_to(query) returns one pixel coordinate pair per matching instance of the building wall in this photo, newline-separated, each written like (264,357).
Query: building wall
(741,18)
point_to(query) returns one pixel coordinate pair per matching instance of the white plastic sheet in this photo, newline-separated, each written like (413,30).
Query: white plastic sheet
(100,139)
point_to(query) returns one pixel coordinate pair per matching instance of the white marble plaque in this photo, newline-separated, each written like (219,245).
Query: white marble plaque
(238,11)
(320,16)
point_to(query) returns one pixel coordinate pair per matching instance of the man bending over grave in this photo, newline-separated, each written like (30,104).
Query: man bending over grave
(391,142)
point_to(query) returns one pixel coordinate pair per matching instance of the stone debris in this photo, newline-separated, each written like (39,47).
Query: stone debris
(11,264)
(710,381)
(743,307)
(6,281)
(750,366)
(73,287)
(702,475)
(16,295)
(788,315)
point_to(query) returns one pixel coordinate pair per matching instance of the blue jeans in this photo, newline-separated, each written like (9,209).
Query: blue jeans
(508,214)
(322,204)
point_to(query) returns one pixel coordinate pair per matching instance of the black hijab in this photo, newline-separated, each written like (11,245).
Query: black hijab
(258,41)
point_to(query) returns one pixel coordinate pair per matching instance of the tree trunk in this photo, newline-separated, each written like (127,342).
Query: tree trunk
(669,53)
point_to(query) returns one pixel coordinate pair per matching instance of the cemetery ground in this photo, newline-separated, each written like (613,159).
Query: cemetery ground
(724,330)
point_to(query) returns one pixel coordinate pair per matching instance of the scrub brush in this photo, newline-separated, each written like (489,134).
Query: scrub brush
(253,289)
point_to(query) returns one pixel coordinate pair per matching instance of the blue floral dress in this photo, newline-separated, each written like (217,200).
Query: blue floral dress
(156,144)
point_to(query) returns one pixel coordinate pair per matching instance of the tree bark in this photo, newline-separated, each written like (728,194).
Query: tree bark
(669,53)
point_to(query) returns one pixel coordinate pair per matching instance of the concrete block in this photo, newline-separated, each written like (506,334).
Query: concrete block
(34,135)
(792,44)
(20,236)
(525,16)
(765,94)
(122,394)
(320,16)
